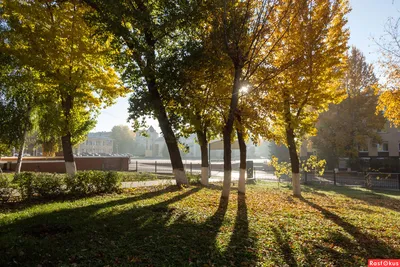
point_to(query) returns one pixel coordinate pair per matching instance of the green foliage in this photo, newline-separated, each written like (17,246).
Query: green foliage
(7,187)
(93,182)
(46,185)
(194,179)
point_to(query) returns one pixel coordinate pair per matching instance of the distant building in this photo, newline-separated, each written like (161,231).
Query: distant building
(155,146)
(377,156)
(99,143)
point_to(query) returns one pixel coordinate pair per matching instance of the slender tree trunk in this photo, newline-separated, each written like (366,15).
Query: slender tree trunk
(22,147)
(20,153)
(228,128)
(201,136)
(70,166)
(242,171)
(294,161)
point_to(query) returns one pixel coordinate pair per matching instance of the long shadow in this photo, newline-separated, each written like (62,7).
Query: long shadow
(283,241)
(369,197)
(159,234)
(241,249)
(20,206)
(374,248)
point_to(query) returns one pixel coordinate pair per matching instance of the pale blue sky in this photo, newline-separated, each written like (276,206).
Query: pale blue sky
(366,21)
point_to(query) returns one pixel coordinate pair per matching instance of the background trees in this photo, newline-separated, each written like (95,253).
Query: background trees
(124,139)
(317,36)
(348,126)
(54,39)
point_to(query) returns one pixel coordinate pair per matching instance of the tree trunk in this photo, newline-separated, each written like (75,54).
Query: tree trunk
(169,136)
(69,159)
(22,147)
(70,166)
(20,153)
(294,161)
(204,156)
(228,128)
(242,171)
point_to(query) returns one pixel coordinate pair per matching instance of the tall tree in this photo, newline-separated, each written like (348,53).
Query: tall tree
(317,33)
(245,30)
(149,31)
(389,92)
(351,124)
(54,39)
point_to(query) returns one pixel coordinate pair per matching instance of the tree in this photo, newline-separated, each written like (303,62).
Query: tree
(124,139)
(19,99)
(389,92)
(245,30)
(54,39)
(302,91)
(349,125)
(149,31)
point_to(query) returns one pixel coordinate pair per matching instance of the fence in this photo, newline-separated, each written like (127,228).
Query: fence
(372,180)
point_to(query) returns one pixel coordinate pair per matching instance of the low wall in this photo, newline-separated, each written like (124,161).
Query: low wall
(56,164)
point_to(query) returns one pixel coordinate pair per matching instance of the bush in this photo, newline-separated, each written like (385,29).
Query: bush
(24,180)
(32,184)
(7,188)
(48,185)
(193,178)
(39,184)
(90,182)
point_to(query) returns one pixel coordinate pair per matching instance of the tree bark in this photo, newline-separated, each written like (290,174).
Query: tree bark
(201,136)
(228,128)
(22,147)
(20,153)
(242,167)
(69,160)
(168,133)
(294,161)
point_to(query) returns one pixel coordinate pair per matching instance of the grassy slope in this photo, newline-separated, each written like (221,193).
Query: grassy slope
(165,227)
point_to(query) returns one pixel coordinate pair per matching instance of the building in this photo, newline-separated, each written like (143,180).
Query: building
(96,143)
(383,156)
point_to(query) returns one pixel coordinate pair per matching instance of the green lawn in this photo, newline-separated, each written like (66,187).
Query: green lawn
(166,227)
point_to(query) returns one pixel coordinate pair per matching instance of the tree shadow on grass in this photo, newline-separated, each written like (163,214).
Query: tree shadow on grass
(368,245)
(20,206)
(241,250)
(153,235)
(283,242)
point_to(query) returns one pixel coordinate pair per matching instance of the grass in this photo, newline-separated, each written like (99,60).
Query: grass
(329,226)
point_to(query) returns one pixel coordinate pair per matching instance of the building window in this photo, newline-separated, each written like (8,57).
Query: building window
(384,147)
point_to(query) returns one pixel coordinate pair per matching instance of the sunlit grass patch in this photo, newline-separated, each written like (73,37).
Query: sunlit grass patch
(169,227)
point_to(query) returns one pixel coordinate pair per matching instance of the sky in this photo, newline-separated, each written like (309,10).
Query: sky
(366,22)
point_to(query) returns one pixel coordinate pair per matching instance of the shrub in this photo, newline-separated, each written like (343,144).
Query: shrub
(32,184)
(90,182)
(193,178)
(48,185)
(24,180)
(7,188)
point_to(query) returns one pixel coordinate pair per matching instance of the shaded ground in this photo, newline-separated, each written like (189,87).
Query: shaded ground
(166,227)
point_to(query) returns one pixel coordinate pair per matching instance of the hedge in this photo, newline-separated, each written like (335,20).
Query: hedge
(29,185)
